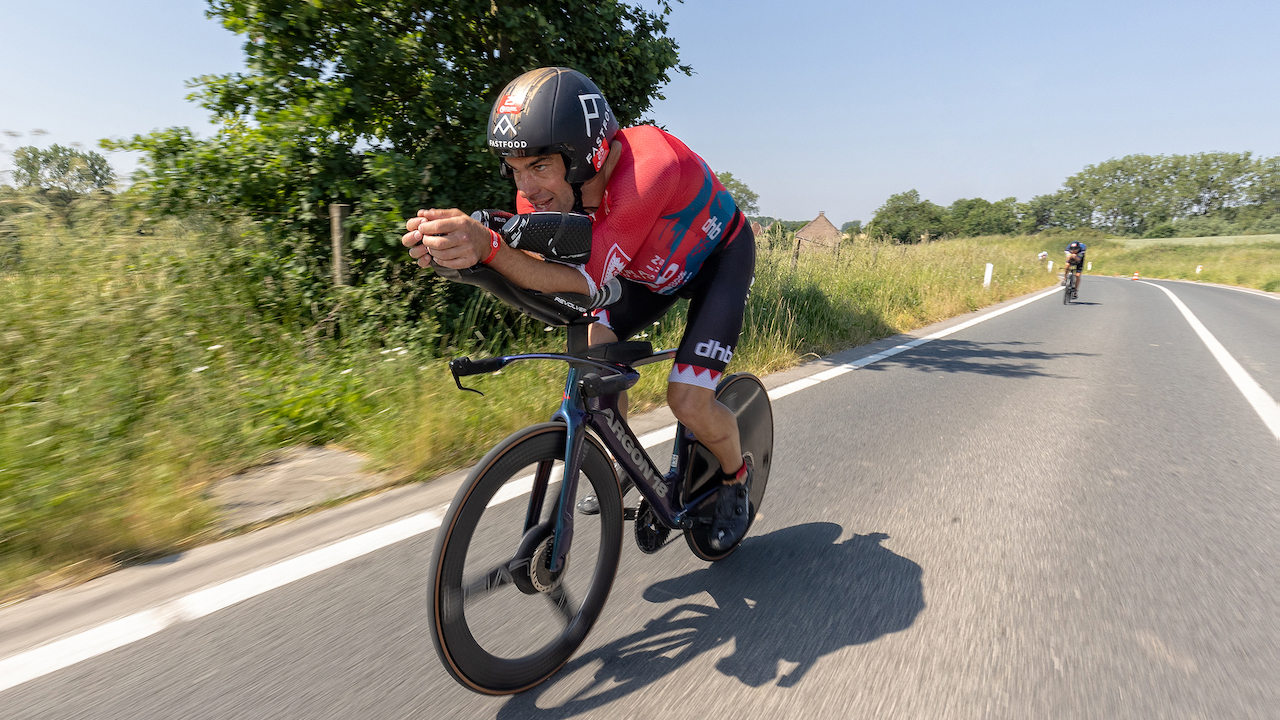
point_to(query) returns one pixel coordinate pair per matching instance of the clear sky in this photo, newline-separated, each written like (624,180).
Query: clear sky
(816,104)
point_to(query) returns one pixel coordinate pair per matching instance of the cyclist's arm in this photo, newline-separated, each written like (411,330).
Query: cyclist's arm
(455,240)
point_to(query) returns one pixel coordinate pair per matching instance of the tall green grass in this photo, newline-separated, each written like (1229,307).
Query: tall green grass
(138,367)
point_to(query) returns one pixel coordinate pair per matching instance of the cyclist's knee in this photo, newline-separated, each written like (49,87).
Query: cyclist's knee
(689,403)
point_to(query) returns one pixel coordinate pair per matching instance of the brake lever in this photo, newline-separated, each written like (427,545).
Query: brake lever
(458,381)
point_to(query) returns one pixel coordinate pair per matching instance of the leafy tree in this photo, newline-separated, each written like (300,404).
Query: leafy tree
(383,104)
(1063,210)
(975,216)
(742,195)
(906,218)
(853,227)
(61,169)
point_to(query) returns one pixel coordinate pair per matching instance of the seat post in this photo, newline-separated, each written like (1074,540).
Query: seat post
(577,331)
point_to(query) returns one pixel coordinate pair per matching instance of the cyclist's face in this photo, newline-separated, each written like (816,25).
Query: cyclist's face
(540,180)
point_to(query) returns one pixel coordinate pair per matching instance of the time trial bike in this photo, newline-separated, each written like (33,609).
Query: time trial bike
(518,577)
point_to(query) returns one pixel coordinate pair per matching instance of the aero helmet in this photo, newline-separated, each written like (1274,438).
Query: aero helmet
(553,110)
(1075,247)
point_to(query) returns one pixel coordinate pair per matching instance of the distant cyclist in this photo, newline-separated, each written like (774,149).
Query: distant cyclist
(664,228)
(1075,262)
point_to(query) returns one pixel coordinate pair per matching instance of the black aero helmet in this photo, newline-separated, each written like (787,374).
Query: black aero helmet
(553,110)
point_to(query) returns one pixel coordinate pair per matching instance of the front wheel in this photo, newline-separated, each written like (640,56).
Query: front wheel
(745,396)
(501,621)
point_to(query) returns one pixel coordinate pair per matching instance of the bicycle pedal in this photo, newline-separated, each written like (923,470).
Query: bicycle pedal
(628,514)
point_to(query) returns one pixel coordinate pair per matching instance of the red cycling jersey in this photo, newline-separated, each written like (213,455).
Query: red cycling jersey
(662,214)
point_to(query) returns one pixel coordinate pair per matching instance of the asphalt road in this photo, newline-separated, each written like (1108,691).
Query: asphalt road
(1061,512)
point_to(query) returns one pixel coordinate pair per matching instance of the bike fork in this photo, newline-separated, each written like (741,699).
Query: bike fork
(574,418)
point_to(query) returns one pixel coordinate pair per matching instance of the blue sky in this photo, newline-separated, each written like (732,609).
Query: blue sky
(817,105)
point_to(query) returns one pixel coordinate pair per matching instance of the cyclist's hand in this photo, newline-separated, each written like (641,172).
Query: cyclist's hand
(450,237)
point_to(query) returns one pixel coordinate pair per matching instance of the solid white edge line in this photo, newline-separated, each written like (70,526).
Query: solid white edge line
(1262,402)
(58,654)
(31,664)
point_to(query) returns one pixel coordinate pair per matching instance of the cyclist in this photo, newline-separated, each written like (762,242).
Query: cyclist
(664,228)
(1075,262)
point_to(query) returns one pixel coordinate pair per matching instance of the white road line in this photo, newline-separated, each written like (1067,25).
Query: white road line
(44,659)
(29,665)
(1262,403)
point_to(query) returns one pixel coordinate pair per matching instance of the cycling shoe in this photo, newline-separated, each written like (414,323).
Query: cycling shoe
(733,515)
(590,504)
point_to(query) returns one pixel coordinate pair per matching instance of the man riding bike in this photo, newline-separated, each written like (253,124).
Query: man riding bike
(664,228)
(1075,262)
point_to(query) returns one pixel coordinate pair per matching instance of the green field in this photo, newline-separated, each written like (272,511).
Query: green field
(1135,243)
(1250,261)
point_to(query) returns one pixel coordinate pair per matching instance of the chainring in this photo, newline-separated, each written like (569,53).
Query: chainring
(651,534)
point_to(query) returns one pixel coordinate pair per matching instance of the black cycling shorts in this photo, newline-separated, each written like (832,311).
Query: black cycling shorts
(717,300)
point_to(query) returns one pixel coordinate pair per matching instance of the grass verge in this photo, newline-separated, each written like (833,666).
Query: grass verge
(136,369)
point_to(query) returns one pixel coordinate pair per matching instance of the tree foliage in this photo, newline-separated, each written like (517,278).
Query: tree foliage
(1137,195)
(907,218)
(746,200)
(383,104)
(974,217)
(61,169)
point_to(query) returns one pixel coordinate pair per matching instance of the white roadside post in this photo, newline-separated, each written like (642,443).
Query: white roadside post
(1199,268)
(1050,266)
(1089,266)
(986,279)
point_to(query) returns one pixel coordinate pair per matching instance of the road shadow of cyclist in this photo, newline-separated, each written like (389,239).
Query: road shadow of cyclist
(1007,359)
(791,596)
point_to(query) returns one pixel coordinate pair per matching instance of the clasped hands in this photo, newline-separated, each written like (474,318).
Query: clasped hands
(450,238)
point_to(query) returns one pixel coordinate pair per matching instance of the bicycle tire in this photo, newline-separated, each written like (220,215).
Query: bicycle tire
(1068,289)
(476,642)
(746,397)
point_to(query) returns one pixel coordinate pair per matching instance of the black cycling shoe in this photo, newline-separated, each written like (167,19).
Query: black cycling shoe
(590,504)
(733,514)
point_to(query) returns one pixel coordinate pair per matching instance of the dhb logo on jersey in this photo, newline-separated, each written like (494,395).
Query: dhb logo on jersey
(714,350)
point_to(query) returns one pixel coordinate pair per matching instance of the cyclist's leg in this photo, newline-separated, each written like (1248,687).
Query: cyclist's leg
(717,302)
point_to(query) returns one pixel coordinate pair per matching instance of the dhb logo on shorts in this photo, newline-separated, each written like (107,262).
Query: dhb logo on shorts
(714,350)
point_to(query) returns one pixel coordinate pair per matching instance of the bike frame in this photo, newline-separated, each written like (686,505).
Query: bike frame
(601,413)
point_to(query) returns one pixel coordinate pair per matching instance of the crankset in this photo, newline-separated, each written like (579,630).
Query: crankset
(651,534)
